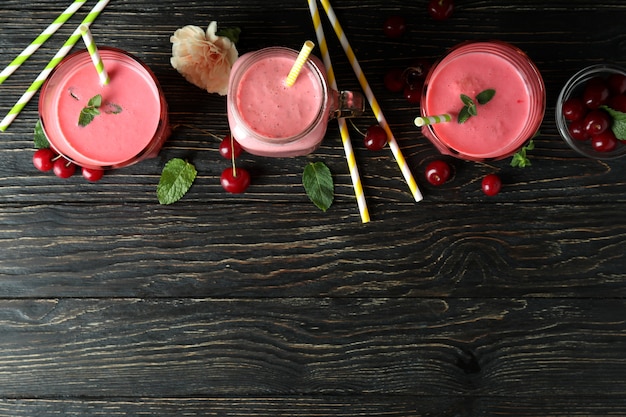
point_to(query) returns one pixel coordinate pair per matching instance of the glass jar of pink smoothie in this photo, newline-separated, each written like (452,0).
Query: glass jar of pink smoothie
(133,120)
(502,125)
(268,118)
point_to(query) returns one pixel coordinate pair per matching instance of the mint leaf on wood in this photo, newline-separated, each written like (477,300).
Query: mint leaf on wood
(39,137)
(176,178)
(318,184)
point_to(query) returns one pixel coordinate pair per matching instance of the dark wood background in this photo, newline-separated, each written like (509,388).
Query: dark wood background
(261,304)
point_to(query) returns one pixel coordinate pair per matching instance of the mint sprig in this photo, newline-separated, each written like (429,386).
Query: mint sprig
(520,158)
(318,184)
(469,106)
(176,179)
(619,122)
(89,112)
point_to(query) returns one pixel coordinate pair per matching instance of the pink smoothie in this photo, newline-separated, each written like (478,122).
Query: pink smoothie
(129,117)
(502,125)
(271,108)
(270,119)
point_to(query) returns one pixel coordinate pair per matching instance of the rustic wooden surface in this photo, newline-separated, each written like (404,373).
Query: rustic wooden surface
(261,304)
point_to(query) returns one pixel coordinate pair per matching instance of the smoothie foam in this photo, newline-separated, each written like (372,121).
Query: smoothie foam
(272,109)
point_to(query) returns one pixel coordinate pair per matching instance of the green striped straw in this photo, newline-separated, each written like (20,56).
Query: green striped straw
(95,55)
(40,40)
(41,78)
(429,120)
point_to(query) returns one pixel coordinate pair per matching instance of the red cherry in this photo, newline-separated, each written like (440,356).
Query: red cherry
(226,148)
(440,9)
(616,83)
(437,172)
(92,174)
(375,138)
(604,142)
(596,122)
(415,74)
(574,108)
(413,94)
(394,26)
(43,159)
(235,180)
(596,93)
(393,80)
(63,168)
(577,130)
(491,184)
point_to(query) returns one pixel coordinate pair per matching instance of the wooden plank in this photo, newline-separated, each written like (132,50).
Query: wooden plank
(112,250)
(315,406)
(501,348)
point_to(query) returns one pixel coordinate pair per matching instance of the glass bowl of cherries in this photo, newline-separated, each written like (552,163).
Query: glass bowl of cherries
(591,112)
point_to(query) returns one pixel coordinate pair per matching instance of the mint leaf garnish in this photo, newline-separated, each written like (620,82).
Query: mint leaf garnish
(88,113)
(619,122)
(485,96)
(112,108)
(95,101)
(520,159)
(39,137)
(469,106)
(464,115)
(176,178)
(318,184)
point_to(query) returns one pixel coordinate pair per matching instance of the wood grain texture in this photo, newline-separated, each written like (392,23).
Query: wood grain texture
(260,304)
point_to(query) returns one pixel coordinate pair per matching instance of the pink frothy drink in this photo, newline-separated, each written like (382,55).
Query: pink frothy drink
(504,124)
(132,124)
(269,118)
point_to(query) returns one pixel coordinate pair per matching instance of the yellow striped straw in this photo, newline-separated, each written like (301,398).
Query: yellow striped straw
(95,55)
(343,128)
(41,78)
(40,40)
(393,144)
(300,60)
(429,120)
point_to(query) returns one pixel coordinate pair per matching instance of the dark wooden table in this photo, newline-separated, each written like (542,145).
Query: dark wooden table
(260,303)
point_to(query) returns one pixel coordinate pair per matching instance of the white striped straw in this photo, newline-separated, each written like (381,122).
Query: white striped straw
(95,55)
(41,78)
(297,65)
(343,128)
(393,144)
(40,40)
(429,120)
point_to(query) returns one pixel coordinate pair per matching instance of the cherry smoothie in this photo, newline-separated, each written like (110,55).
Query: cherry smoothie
(505,123)
(268,118)
(132,121)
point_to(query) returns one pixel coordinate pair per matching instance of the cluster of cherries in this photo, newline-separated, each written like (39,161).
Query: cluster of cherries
(234,180)
(46,159)
(587,121)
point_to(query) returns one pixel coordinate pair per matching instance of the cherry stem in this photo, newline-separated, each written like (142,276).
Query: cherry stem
(232,154)
(356,128)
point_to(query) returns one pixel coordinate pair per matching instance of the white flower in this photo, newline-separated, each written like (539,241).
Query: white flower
(204,59)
